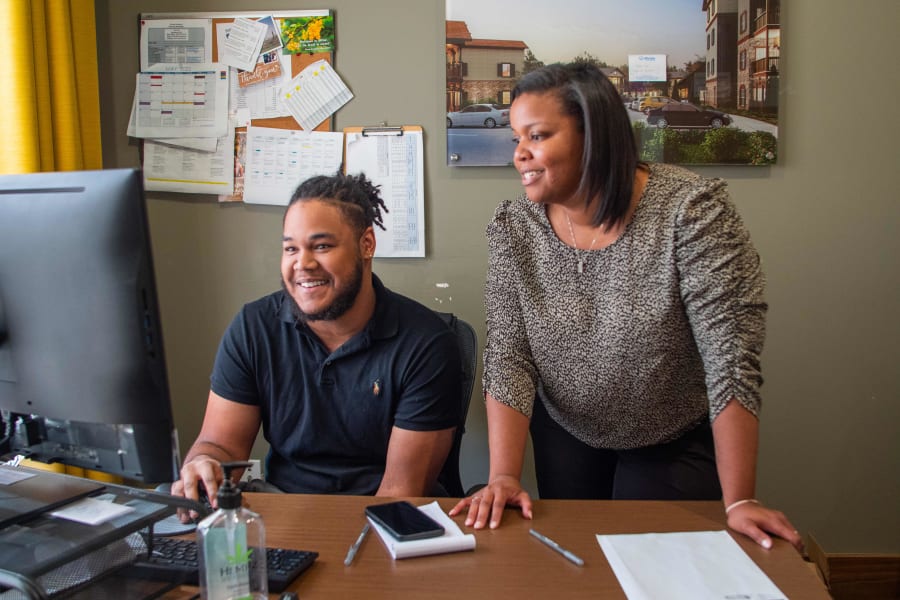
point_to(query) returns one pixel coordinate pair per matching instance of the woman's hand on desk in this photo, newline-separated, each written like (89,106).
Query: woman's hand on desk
(757,522)
(489,502)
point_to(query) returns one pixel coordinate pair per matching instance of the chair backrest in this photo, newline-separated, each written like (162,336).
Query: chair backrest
(468,353)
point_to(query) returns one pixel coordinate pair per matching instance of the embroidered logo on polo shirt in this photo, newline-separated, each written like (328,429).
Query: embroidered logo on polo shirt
(376,387)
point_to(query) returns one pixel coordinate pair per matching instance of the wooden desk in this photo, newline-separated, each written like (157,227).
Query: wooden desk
(507,563)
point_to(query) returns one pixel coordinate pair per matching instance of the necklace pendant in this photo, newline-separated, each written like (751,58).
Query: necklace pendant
(580,266)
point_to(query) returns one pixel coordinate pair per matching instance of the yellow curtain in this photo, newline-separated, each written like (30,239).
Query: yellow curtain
(50,88)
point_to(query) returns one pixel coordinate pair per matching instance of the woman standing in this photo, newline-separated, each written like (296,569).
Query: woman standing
(625,319)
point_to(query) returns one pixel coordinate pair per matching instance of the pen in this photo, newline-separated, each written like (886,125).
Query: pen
(569,555)
(351,554)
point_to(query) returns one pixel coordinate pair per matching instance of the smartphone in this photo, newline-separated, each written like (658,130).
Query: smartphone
(404,521)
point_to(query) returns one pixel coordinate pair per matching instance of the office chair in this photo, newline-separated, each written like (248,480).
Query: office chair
(468,351)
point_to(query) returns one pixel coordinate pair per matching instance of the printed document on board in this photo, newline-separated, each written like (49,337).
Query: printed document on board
(260,100)
(242,44)
(175,42)
(175,169)
(315,94)
(177,102)
(278,160)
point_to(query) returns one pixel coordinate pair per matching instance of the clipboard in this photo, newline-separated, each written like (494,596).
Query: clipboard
(392,157)
(384,130)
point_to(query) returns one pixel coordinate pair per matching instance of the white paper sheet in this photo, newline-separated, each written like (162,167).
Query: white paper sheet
(685,566)
(201,144)
(261,100)
(396,164)
(186,103)
(204,144)
(175,41)
(173,169)
(242,44)
(647,67)
(91,511)
(10,476)
(258,101)
(453,540)
(314,94)
(277,160)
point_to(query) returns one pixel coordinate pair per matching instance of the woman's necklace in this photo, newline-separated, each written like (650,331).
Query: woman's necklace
(580,266)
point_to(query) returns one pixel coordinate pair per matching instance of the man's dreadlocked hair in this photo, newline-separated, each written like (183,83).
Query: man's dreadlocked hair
(355,196)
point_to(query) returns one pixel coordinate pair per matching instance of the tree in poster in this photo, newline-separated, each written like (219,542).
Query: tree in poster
(308,34)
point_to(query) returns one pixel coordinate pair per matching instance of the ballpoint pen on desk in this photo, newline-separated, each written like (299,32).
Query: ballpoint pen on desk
(351,554)
(547,541)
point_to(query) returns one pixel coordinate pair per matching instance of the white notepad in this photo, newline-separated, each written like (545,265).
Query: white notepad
(453,540)
(92,511)
(685,566)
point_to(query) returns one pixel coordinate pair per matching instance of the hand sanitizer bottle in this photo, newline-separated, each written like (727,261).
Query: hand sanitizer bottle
(232,547)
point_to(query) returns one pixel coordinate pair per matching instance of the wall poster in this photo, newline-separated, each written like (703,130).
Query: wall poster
(699,78)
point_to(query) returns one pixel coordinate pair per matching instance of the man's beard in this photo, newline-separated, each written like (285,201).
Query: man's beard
(346,297)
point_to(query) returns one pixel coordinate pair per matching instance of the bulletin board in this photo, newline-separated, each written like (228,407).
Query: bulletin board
(298,61)
(301,55)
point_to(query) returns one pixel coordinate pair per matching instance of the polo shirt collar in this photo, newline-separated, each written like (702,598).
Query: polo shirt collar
(385,321)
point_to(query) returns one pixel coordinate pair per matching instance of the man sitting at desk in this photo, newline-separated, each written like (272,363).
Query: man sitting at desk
(356,387)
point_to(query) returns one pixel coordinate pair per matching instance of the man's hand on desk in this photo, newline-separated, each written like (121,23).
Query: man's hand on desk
(489,502)
(757,522)
(200,471)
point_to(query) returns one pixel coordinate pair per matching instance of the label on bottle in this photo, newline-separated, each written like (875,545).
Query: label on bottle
(227,563)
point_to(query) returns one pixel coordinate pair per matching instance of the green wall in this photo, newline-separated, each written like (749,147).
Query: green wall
(824,219)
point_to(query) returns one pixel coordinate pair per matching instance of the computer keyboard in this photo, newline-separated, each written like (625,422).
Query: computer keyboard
(175,559)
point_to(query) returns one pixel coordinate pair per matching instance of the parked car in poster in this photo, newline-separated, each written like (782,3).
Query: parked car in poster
(684,115)
(651,102)
(479,115)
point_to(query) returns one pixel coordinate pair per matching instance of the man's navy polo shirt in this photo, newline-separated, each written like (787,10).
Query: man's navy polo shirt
(328,417)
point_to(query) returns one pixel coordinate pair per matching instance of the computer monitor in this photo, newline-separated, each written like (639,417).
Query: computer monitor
(82,373)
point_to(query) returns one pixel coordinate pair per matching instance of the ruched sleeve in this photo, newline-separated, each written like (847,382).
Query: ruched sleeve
(509,373)
(722,287)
